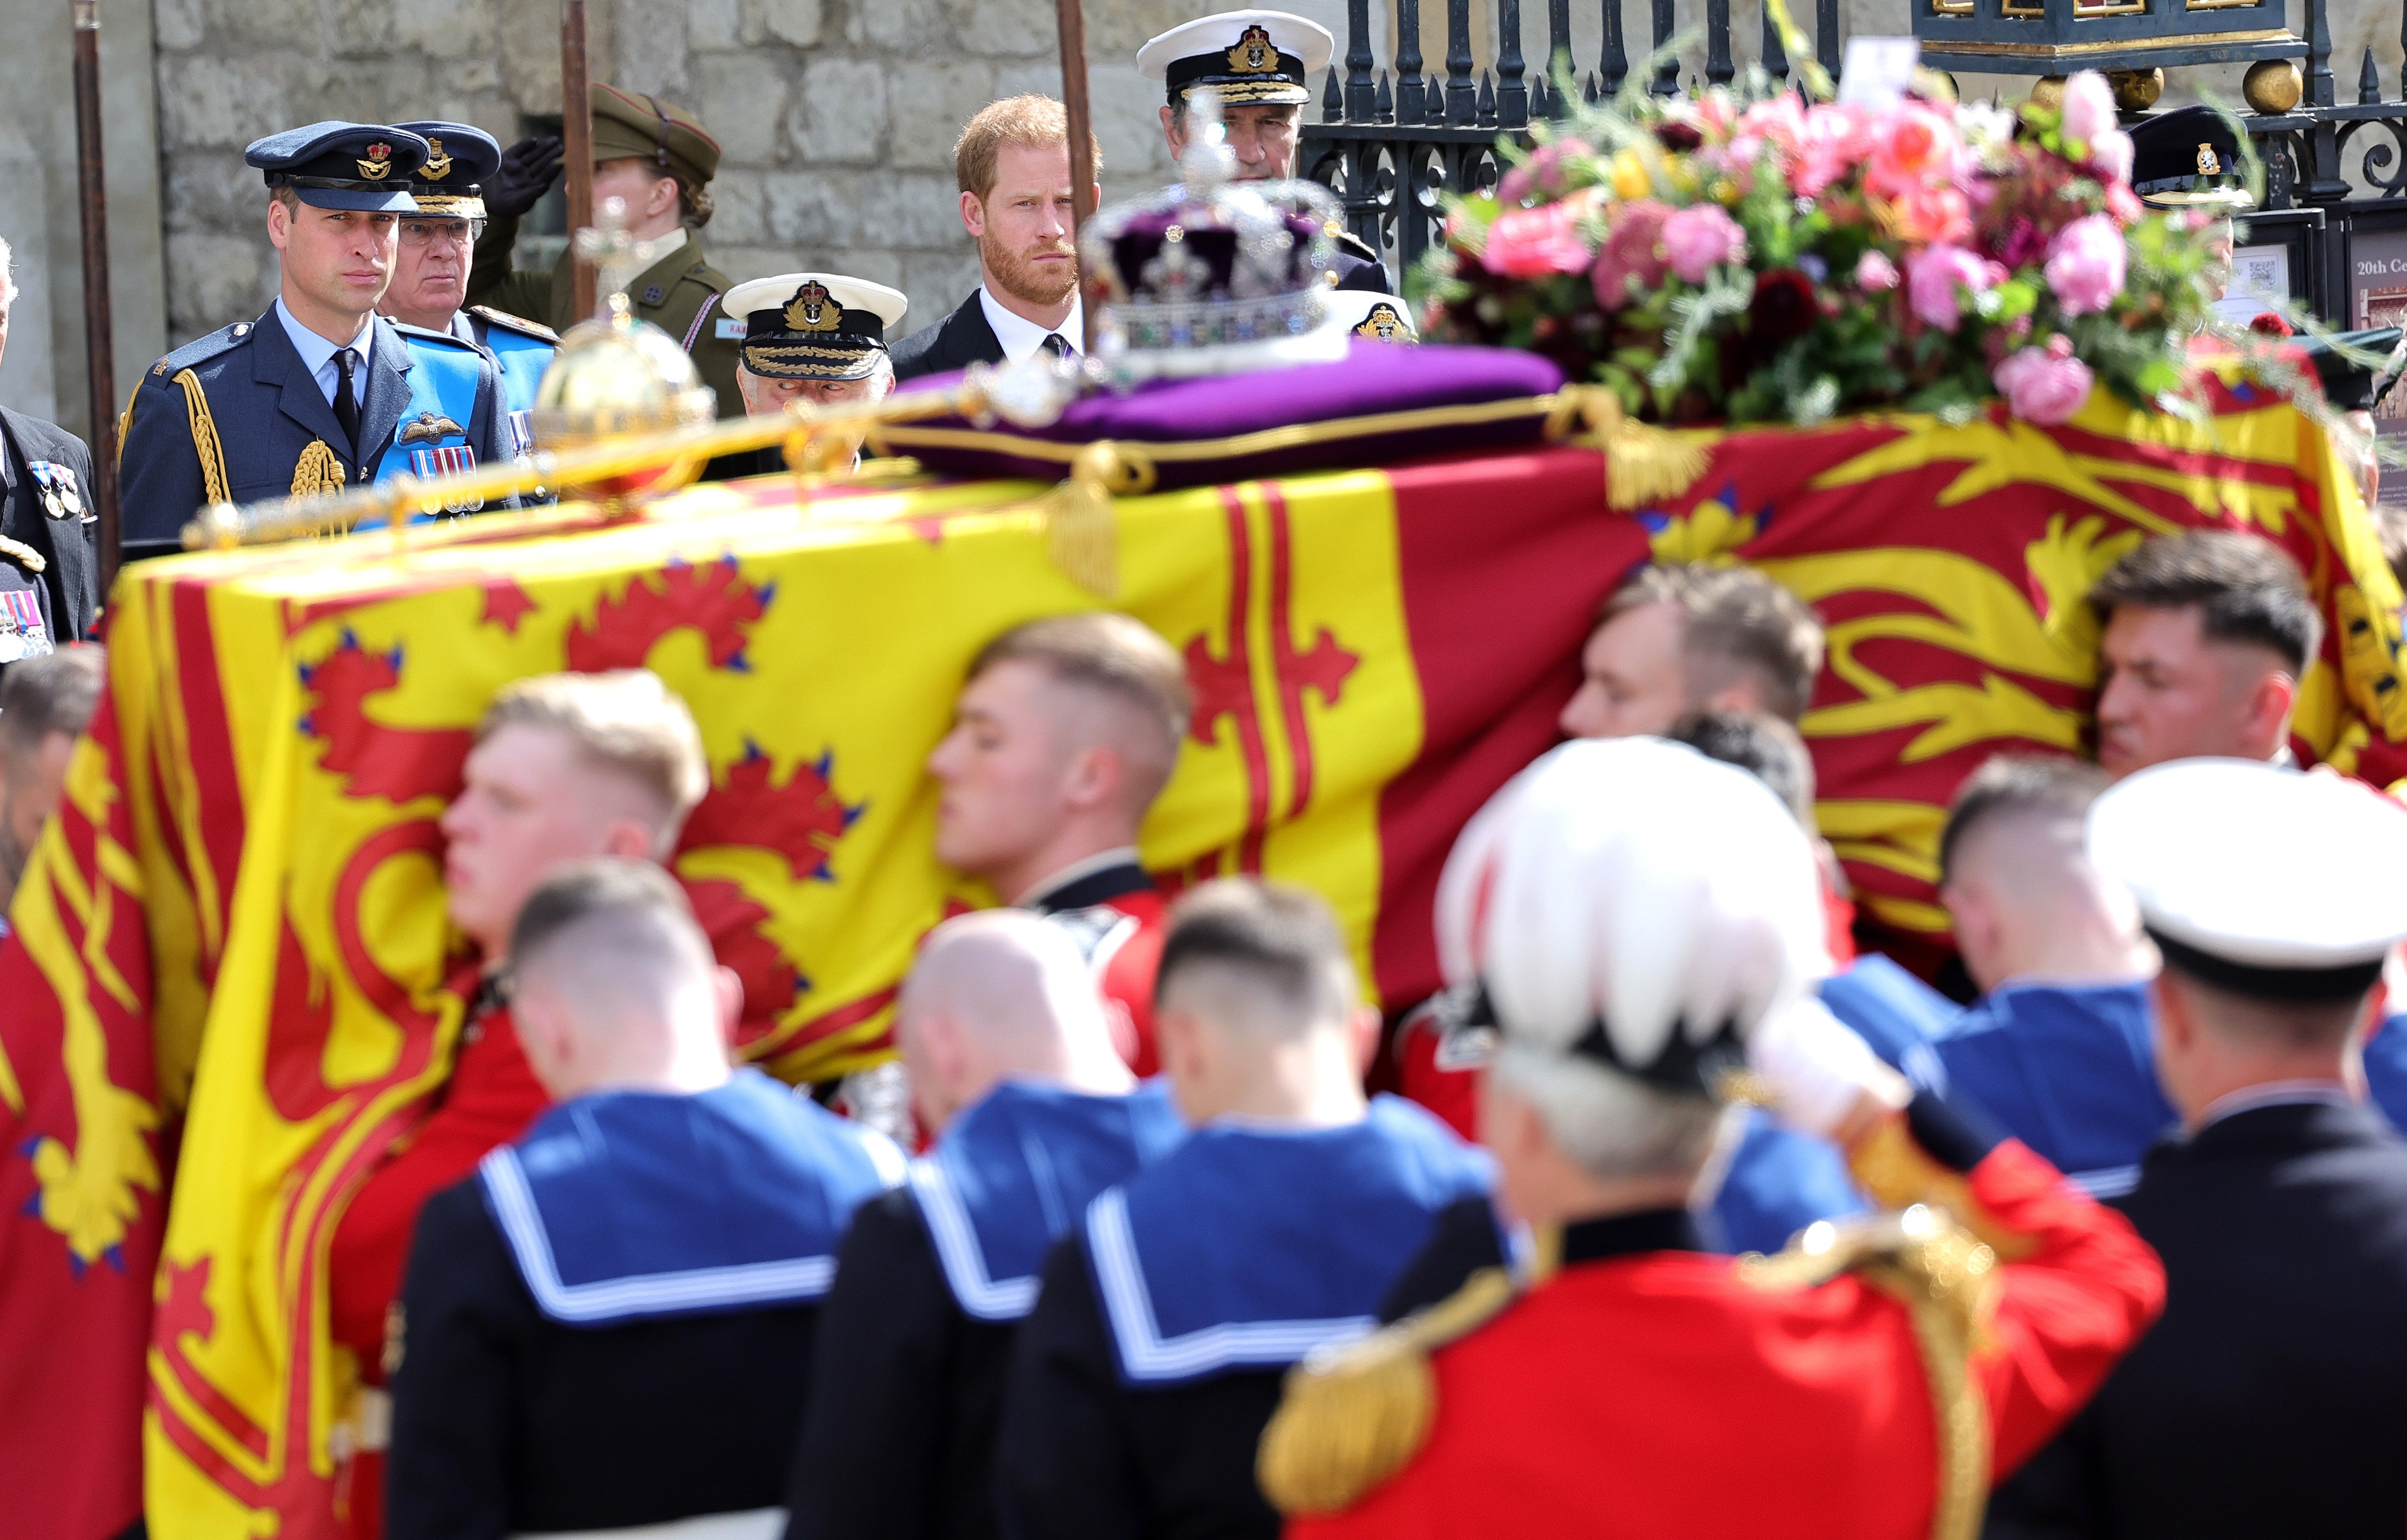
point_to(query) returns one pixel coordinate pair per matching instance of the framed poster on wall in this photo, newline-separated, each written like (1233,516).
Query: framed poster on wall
(2279,256)
(2375,262)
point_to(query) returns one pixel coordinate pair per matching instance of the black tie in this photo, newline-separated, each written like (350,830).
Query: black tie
(1056,344)
(346,400)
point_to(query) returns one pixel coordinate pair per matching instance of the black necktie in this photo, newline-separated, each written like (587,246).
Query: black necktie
(346,399)
(1056,344)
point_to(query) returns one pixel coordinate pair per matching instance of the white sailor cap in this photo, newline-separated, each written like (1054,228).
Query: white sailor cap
(2258,880)
(813,326)
(1245,55)
(1381,317)
(1629,902)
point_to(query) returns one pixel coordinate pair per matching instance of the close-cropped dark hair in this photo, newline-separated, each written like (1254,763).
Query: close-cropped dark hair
(2245,590)
(2017,784)
(1758,744)
(603,886)
(1733,618)
(1286,939)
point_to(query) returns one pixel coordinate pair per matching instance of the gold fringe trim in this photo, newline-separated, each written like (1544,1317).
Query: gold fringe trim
(1347,1423)
(204,437)
(1947,1280)
(320,473)
(1643,463)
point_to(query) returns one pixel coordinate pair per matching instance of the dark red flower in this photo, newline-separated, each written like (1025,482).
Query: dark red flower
(1679,138)
(2272,324)
(1783,307)
(2026,243)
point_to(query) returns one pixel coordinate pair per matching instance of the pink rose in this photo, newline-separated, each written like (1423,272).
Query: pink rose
(1779,122)
(1837,136)
(2088,107)
(2044,385)
(1875,273)
(1926,214)
(1915,149)
(1544,173)
(1531,243)
(1633,257)
(2110,156)
(2123,204)
(1934,274)
(1698,238)
(2085,264)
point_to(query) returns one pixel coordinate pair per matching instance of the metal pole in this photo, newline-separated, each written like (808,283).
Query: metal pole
(1071,19)
(99,340)
(576,148)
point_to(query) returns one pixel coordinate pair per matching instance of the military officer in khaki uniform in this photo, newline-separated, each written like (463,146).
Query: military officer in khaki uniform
(658,159)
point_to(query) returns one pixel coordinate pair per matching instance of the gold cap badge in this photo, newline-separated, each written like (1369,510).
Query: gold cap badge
(1384,324)
(438,165)
(1254,54)
(2207,163)
(814,310)
(378,165)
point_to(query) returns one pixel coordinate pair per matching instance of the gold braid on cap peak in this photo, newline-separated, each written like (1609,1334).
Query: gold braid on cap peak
(1347,1423)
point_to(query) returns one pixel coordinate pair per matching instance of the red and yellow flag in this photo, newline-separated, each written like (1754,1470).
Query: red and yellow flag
(249,866)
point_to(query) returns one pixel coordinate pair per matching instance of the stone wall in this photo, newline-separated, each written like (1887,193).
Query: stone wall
(837,116)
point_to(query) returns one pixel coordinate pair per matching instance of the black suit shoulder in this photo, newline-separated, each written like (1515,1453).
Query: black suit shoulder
(1357,267)
(1462,1242)
(960,339)
(69,545)
(907,1391)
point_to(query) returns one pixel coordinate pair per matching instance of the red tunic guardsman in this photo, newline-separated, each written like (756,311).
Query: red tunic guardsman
(564,766)
(1066,730)
(1642,926)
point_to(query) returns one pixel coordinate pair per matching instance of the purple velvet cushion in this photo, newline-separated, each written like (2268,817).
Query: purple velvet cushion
(1374,378)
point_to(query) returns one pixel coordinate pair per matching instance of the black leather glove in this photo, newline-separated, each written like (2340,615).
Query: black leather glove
(528,170)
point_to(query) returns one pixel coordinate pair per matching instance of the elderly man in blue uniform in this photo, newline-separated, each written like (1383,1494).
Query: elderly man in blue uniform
(610,1327)
(430,277)
(50,545)
(318,394)
(1260,64)
(1165,1320)
(1013,1067)
(814,337)
(2057,1048)
(2272,1399)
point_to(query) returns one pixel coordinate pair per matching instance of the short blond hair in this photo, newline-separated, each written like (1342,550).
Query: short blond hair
(1121,661)
(626,722)
(1036,122)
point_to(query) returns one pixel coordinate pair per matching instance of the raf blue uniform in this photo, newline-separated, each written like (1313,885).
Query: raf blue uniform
(238,416)
(450,185)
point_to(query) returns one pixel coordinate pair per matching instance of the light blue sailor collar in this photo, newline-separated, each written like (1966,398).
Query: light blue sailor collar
(631,1206)
(318,354)
(1248,1247)
(1014,1173)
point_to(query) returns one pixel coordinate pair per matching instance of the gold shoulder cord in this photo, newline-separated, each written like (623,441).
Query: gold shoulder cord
(23,555)
(204,438)
(1347,1422)
(318,473)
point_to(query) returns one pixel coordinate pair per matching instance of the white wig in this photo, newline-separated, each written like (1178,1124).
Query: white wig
(1636,885)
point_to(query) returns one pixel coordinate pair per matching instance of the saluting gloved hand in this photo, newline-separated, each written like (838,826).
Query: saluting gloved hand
(1824,1078)
(528,170)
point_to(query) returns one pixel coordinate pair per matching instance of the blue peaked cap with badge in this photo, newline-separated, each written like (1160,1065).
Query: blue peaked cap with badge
(461,163)
(363,167)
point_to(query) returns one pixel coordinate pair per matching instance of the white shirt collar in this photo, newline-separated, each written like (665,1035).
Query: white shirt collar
(1021,336)
(1102,861)
(2275,1093)
(318,354)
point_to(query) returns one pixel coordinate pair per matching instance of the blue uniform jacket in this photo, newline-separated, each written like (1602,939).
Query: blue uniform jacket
(523,350)
(429,402)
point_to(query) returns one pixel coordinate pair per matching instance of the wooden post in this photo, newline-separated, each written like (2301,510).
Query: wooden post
(1072,18)
(99,342)
(577,145)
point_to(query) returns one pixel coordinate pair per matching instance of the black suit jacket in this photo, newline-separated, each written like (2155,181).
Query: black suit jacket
(507,1422)
(70,545)
(2271,1397)
(907,1394)
(960,339)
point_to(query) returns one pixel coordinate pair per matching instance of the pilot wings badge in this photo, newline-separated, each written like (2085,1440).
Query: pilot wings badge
(431,427)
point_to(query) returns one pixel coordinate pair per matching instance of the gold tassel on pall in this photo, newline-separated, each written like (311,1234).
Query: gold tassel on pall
(1643,463)
(1081,533)
(1346,1425)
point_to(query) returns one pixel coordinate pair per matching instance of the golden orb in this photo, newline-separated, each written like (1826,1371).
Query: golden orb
(2136,90)
(2047,91)
(2273,86)
(616,377)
